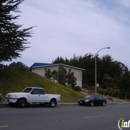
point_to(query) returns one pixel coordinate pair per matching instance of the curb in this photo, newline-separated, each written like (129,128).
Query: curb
(58,103)
(73,103)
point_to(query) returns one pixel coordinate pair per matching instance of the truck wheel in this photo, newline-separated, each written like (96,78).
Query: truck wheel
(21,103)
(52,103)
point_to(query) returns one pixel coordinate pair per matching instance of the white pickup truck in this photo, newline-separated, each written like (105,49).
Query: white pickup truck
(32,95)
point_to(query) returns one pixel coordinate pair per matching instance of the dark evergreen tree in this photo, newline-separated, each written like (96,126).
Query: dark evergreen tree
(48,73)
(123,84)
(13,38)
(18,66)
(54,75)
(61,75)
(105,65)
(70,79)
(108,82)
(58,60)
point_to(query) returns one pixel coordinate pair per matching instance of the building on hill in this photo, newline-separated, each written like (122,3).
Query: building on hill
(39,68)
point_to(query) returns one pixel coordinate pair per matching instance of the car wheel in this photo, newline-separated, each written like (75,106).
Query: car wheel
(91,104)
(21,103)
(103,104)
(80,104)
(52,103)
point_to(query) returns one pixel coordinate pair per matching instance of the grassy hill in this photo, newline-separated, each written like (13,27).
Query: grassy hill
(15,81)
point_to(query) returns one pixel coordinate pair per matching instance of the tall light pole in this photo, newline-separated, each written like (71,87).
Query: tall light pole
(96,68)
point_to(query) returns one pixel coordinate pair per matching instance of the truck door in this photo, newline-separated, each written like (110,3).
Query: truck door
(42,95)
(36,95)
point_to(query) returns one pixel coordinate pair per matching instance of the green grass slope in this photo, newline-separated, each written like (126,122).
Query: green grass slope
(15,81)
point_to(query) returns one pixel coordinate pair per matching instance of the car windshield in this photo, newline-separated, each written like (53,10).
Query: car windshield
(27,90)
(90,97)
(100,97)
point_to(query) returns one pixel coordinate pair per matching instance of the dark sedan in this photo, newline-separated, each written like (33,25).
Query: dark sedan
(93,100)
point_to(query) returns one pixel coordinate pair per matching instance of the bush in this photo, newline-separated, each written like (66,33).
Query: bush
(105,92)
(76,88)
(121,95)
(88,87)
(110,92)
(115,93)
(84,86)
(100,90)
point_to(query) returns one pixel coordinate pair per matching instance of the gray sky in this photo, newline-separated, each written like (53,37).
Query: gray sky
(68,27)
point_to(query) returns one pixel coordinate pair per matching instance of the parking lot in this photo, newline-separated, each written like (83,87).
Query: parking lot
(63,117)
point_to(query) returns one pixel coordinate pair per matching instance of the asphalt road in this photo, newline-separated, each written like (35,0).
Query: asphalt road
(63,117)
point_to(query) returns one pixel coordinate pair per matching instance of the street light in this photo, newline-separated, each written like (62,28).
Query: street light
(96,68)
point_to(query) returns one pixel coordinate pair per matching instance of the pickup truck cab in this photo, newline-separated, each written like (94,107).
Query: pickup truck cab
(32,95)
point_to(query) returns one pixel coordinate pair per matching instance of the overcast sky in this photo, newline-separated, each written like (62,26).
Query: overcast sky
(68,27)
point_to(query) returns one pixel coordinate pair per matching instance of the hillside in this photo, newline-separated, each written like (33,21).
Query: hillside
(11,81)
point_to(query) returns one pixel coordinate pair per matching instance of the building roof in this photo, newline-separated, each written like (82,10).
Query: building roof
(40,65)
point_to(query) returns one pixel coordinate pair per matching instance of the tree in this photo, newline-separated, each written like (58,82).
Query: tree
(123,83)
(61,75)
(54,75)
(18,66)
(70,79)
(108,82)
(48,73)
(58,60)
(12,38)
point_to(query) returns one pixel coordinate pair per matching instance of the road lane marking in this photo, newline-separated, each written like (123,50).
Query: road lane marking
(3,126)
(94,116)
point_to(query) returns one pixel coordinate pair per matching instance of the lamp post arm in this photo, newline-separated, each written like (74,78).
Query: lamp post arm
(102,49)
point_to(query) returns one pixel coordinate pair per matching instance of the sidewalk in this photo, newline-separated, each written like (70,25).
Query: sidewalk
(120,101)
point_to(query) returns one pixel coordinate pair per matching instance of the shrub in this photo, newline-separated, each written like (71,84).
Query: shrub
(76,88)
(84,86)
(111,92)
(100,90)
(88,87)
(105,92)
(121,95)
(115,93)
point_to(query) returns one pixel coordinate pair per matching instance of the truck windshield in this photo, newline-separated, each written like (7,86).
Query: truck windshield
(27,90)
